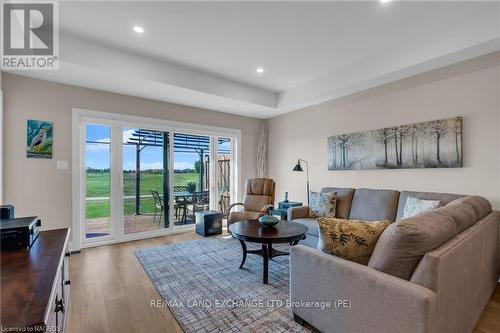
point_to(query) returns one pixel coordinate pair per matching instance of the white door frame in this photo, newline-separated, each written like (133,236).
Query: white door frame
(232,174)
(117,122)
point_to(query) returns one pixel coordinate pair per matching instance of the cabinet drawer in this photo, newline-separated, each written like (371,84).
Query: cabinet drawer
(55,307)
(58,304)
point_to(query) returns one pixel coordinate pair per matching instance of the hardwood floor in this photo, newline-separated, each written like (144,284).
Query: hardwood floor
(490,319)
(110,292)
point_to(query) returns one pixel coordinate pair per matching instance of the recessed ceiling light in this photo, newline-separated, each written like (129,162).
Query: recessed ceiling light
(138,29)
(385,1)
(260,70)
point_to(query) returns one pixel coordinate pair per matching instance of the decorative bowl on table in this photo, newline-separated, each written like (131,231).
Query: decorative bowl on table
(268,220)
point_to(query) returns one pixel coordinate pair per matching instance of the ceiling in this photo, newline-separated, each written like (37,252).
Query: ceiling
(205,54)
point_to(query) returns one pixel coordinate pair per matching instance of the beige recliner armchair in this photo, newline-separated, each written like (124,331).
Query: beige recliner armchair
(258,199)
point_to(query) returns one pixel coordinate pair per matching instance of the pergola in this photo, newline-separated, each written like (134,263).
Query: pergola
(183,143)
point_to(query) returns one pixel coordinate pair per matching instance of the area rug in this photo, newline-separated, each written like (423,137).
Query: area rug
(201,283)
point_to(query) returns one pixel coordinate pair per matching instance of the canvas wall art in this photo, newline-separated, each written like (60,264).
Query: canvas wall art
(433,144)
(39,139)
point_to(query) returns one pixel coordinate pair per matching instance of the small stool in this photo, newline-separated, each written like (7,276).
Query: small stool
(208,223)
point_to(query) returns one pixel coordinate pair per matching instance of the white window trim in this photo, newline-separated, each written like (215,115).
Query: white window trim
(80,116)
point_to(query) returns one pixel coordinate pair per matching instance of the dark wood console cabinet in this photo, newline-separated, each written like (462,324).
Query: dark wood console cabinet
(35,284)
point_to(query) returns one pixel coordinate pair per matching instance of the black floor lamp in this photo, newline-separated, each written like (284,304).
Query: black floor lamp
(298,167)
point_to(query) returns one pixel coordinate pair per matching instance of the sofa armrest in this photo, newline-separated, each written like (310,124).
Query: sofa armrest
(367,300)
(299,212)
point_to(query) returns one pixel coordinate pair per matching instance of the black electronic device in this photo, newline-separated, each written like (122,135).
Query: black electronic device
(6,212)
(19,233)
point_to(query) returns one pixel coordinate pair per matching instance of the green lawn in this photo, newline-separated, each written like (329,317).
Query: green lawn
(98,186)
(98,183)
(96,209)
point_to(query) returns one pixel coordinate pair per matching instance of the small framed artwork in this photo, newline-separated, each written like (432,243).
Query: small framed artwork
(39,136)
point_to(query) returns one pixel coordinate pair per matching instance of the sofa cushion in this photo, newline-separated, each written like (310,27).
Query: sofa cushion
(311,224)
(322,204)
(344,200)
(463,215)
(445,198)
(403,244)
(374,205)
(415,206)
(481,206)
(348,239)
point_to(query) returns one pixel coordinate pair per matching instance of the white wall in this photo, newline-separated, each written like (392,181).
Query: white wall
(35,186)
(469,89)
(1,140)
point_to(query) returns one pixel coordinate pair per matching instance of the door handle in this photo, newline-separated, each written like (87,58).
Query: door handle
(59,306)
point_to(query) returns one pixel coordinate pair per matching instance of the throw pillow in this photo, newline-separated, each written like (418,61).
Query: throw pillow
(322,204)
(415,206)
(404,243)
(352,240)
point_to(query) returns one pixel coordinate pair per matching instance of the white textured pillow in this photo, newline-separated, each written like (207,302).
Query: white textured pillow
(322,204)
(414,206)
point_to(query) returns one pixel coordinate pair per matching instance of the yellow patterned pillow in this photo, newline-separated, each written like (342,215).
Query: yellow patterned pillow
(349,239)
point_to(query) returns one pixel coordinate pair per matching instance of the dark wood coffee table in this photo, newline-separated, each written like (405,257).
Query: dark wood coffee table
(254,232)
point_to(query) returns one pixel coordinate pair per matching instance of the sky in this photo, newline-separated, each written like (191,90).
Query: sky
(97,154)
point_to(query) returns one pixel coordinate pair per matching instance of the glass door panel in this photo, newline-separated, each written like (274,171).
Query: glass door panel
(145,180)
(191,177)
(97,181)
(223,173)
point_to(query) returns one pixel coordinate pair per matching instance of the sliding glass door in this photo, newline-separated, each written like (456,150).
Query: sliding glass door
(140,180)
(97,181)
(145,180)
(191,181)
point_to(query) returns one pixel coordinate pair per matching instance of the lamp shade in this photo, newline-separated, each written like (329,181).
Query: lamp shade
(298,167)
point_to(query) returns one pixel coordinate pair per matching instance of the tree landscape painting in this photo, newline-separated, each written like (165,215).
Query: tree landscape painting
(433,144)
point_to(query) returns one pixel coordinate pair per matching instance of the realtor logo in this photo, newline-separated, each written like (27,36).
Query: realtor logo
(30,36)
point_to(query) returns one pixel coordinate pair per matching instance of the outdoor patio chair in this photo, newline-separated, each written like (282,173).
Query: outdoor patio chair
(180,207)
(200,201)
(257,201)
(158,205)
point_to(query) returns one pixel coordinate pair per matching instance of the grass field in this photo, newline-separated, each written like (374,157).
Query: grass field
(97,185)
(96,209)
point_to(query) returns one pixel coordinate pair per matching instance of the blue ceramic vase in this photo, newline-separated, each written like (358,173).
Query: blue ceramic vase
(268,220)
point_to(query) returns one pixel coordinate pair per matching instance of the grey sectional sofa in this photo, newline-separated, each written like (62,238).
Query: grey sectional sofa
(443,289)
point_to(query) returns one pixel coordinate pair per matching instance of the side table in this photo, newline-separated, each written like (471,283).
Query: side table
(282,209)
(281,213)
(208,222)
